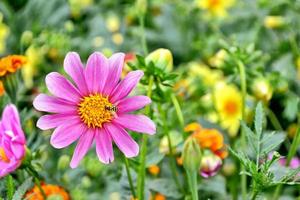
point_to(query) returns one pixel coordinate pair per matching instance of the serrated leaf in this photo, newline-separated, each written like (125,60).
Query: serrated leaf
(251,137)
(259,118)
(271,141)
(27,184)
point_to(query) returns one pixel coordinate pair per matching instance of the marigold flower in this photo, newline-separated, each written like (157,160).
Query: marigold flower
(95,109)
(12,141)
(159,196)
(154,169)
(11,64)
(2,90)
(49,190)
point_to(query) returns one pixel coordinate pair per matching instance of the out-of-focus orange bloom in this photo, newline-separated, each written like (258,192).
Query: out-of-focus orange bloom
(49,190)
(11,64)
(2,90)
(181,87)
(208,139)
(159,196)
(179,161)
(154,169)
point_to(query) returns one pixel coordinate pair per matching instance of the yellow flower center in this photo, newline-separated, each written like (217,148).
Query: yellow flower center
(95,109)
(214,3)
(3,156)
(231,107)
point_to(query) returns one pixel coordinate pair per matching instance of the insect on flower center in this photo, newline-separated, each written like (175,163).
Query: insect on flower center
(3,156)
(95,109)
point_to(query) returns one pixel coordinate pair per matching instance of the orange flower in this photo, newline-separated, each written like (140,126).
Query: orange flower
(159,196)
(2,90)
(11,64)
(208,139)
(154,170)
(49,190)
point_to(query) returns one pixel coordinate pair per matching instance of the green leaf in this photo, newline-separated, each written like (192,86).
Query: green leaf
(10,187)
(166,187)
(259,118)
(27,184)
(251,137)
(271,141)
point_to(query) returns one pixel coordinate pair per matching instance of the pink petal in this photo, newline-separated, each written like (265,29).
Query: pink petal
(133,103)
(104,146)
(123,140)
(138,123)
(97,69)
(18,150)
(126,85)
(52,121)
(84,144)
(59,86)
(11,122)
(116,63)
(52,104)
(67,133)
(74,67)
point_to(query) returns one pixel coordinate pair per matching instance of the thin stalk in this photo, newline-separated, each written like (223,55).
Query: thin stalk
(33,173)
(142,168)
(143,35)
(172,158)
(178,110)
(192,179)
(242,72)
(127,167)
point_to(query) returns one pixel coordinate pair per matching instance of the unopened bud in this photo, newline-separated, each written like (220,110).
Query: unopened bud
(162,58)
(191,155)
(26,37)
(274,21)
(262,89)
(210,165)
(63,162)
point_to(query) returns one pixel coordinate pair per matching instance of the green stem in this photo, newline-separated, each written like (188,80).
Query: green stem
(178,111)
(142,168)
(192,179)
(10,187)
(127,167)
(273,119)
(242,72)
(143,36)
(172,158)
(33,173)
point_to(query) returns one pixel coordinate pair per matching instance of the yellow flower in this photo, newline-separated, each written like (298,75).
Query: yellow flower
(274,21)
(4,31)
(216,8)
(229,107)
(218,59)
(34,57)
(117,38)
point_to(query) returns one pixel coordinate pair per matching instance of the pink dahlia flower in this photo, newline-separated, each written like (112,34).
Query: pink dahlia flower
(95,107)
(12,141)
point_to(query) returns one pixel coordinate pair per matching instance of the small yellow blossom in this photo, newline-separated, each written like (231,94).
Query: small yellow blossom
(217,8)
(229,107)
(117,38)
(274,21)
(218,59)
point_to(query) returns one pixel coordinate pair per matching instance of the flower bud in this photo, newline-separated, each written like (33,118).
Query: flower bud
(162,58)
(274,21)
(210,165)
(63,162)
(26,37)
(262,89)
(191,155)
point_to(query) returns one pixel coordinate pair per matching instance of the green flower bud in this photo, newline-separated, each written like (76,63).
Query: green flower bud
(262,89)
(26,38)
(191,155)
(63,162)
(162,58)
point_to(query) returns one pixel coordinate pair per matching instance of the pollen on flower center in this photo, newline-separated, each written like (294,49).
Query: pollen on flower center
(3,156)
(95,109)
